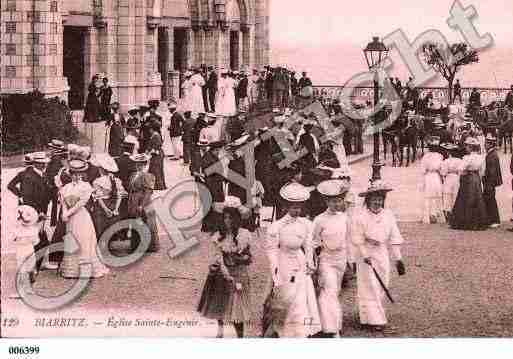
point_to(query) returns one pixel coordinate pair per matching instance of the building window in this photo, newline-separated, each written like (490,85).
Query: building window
(53,28)
(33,16)
(10,27)
(53,49)
(54,6)
(34,38)
(10,72)
(52,70)
(32,60)
(10,49)
(11,5)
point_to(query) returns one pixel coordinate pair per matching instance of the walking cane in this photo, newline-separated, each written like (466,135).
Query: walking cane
(382,284)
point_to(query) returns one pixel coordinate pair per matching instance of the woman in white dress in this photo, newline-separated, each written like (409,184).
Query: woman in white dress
(289,249)
(373,230)
(79,227)
(330,238)
(450,171)
(227,106)
(432,186)
(197,81)
(187,93)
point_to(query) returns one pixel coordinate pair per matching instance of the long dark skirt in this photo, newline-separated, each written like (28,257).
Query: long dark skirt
(491,205)
(58,237)
(215,297)
(100,219)
(157,169)
(469,212)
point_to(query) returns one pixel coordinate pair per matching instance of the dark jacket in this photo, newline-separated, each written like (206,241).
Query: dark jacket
(126,168)
(32,188)
(214,181)
(242,89)
(188,130)
(493,175)
(211,82)
(176,125)
(116,135)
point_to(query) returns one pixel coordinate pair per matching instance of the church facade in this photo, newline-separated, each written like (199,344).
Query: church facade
(141,46)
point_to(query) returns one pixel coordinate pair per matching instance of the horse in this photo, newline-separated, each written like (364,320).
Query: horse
(390,137)
(408,137)
(505,129)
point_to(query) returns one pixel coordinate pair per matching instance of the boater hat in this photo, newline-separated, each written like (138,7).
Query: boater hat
(78,166)
(491,138)
(376,187)
(333,188)
(295,192)
(57,145)
(39,157)
(27,216)
(140,158)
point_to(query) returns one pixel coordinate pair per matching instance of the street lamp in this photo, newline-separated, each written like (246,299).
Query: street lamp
(375,53)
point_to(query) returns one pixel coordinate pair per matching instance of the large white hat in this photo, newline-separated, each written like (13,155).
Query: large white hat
(376,187)
(295,192)
(333,188)
(106,162)
(39,157)
(27,216)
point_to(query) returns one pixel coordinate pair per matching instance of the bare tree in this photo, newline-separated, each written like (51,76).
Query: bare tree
(447,60)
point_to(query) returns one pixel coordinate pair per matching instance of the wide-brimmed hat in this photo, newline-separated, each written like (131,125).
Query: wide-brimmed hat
(490,138)
(39,157)
(57,145)
(472,141)
(333,188)
(106,162)
(27,216)
(376,187)
(449,146)
(83,153)
(203,142)
(232,202)
(295,192)
(78,166)
(341,173)
(140,158)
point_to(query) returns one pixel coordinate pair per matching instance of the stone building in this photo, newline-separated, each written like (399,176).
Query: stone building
(141,46)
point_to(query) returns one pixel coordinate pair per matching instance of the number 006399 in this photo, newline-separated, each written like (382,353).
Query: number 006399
(23,350)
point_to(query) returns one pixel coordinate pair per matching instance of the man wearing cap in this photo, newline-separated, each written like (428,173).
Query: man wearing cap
(309,142)
(31,188)
(175,130)
(211,86)
(491,180)
(330,237)
(289,250)
(116,121)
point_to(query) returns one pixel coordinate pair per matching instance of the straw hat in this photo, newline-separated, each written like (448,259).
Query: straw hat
(27,216)
(472,141)
(140,158)
(333,188)
(295,192)
(78,166)
(378,187)
(491,138)
(39,157)
(106,162)
(57,145)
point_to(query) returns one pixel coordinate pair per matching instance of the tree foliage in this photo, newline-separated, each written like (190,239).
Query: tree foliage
(30,121)
(447,60)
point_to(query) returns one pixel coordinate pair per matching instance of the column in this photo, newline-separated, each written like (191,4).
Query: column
(107,44)
(140,73)
(240,48)
(190,51)
(90,56)
(126,53)
(248,44)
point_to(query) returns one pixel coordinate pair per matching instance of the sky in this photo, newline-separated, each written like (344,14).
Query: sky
(327,22)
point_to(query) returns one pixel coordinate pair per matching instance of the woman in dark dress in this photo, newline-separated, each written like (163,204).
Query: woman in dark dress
(226,294)
(469,212)
(92,107)
(157,157)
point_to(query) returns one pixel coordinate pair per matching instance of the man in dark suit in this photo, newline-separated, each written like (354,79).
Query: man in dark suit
(116,121)
(214,181)
(242,91)
(31,188)
(125,165)
(508,102)
(175,130)
(310,143)
(58,153)
(211,85)
(491,180)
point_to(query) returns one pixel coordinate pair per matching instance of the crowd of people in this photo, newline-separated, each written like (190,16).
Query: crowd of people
(318,233)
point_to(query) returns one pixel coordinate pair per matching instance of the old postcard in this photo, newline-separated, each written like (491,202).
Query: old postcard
(256,169)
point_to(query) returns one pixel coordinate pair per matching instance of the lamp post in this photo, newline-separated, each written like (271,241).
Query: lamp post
(375,53)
